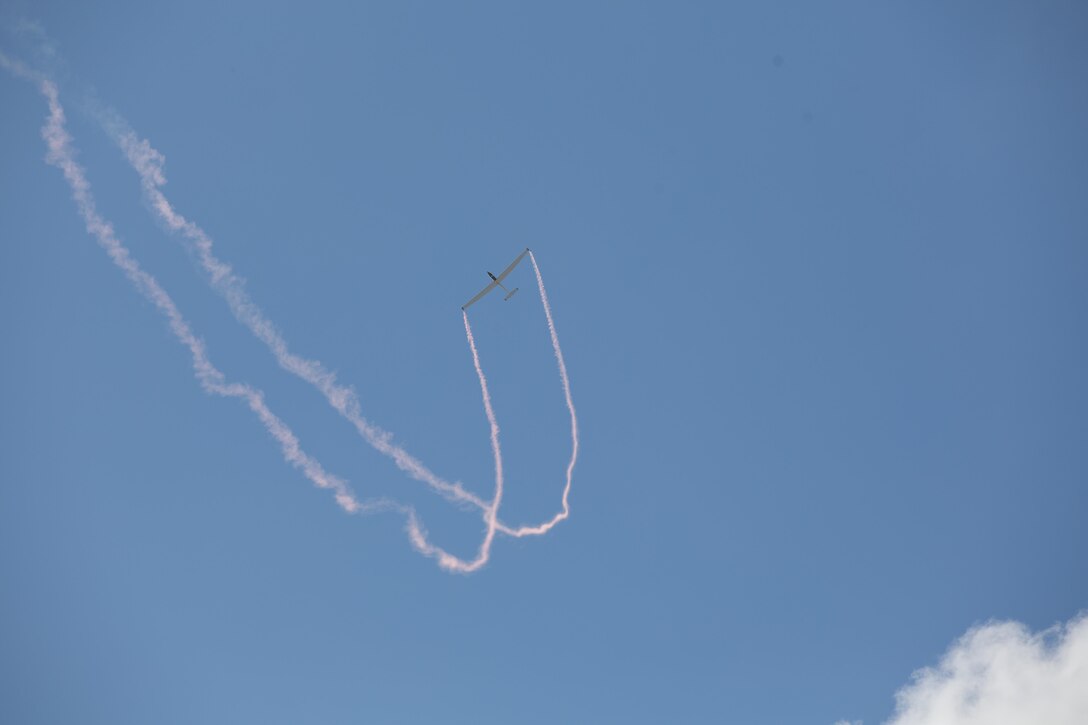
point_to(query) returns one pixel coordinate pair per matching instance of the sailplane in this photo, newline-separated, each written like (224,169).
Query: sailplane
(497,282)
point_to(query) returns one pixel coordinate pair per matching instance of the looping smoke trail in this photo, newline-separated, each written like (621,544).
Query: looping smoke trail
(149,164)
(418,535)
(547,526)
(61,155)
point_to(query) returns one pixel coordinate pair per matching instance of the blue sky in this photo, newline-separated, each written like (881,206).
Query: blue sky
(818,277)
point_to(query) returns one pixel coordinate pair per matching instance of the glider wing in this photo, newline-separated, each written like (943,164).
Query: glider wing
(513,264)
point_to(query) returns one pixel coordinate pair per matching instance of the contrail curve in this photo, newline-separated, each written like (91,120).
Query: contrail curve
(61,155)
(149,165)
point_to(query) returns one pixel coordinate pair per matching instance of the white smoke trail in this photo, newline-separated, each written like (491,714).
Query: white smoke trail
(149,165)
(61,155)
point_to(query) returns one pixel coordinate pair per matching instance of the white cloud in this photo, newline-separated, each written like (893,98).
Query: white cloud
(1001,673)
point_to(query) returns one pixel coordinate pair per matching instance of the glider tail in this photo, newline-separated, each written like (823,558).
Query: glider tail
(510,294)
